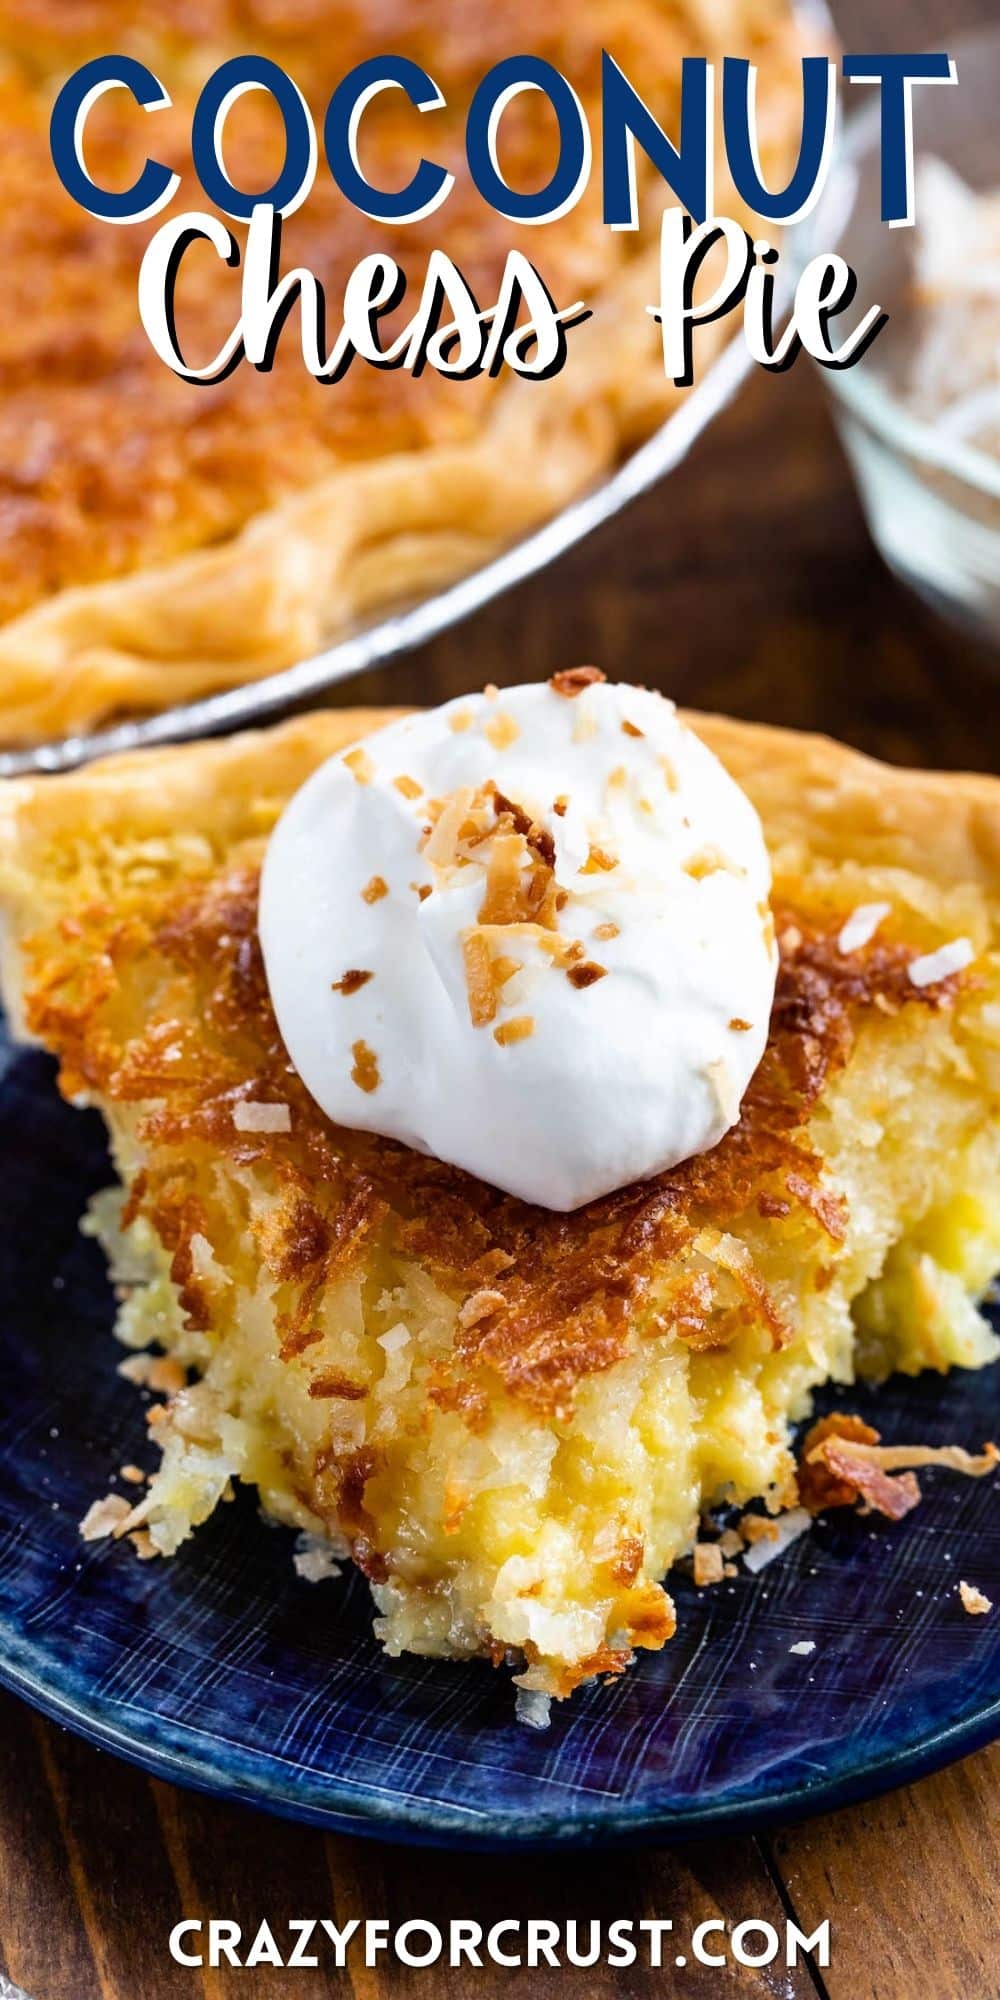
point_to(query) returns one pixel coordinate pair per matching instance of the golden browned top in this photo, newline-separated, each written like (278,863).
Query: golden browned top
(108,463)
(166,1009)
(136,876)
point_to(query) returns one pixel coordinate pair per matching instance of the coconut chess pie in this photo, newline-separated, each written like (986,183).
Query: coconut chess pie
(514,1417)
(160,541)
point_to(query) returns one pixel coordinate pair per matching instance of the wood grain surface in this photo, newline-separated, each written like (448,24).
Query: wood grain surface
(745,583)
(98,1862)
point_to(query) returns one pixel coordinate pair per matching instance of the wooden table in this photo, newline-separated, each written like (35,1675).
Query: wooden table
(746,583)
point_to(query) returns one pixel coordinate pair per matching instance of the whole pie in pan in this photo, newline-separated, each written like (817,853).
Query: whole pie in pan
(159,541)
(513,1418)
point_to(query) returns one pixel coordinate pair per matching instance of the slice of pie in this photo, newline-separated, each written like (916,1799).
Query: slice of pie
(161,541)
(514,1418)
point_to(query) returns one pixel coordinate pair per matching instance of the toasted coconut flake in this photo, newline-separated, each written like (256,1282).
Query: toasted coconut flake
(154,1371)
(711,861)
(739,1026)
(365,1071)
(941,964)
(560,806)
(863,1480)
(479,978)
(670,777)
(503,969)
(479,1306)
(505,900)
(254,1117)
(351,981)
(843,1461)
(758,1528)
(773,1205)
(408,786)
(974,1601)
(167,1376)
(819,1487)
(136,1515)
(572,680)
(953,1457)
(790,1526)
(374,890)
(627,1559)
(516,1030)
(861,926)
(599,861)
(731,1542)
(562,950)
(133,1475)
(544,899)
(144,1545)
(538,837)
(607,931)
(360,765)
(586,974)
(332,1386)
(707,1564)
(632,728)
(104,1516)
(450,823)
(501,730)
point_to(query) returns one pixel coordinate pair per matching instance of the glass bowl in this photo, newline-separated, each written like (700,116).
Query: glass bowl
(932,499)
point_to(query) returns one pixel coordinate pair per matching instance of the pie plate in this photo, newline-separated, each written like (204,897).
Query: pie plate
(224,1670)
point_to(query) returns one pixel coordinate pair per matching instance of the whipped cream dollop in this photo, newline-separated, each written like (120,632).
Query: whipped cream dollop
(528,933)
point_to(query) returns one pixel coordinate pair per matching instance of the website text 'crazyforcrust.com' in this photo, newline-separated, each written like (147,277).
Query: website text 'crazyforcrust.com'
(511,1941)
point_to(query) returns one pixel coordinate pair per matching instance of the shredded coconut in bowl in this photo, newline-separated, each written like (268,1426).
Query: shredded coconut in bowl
(955,375)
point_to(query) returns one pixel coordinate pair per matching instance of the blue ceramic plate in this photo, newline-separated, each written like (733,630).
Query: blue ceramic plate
(223,1670)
